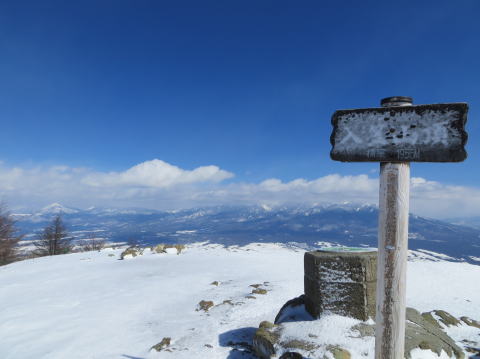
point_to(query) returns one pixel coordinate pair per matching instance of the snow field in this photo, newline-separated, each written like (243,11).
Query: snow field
(93,305)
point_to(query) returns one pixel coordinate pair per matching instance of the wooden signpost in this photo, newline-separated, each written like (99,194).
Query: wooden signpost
(395,135)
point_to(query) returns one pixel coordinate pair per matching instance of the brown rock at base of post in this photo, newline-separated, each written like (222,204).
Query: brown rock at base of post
(364,329)
(338,352)
(266,325)
(264,340)
(300,344)
(429,318)
(471,322)
(446,318)
(341,282)
(421,333)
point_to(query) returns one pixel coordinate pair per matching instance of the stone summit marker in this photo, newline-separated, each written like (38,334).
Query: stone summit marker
(341,281)
(395,135)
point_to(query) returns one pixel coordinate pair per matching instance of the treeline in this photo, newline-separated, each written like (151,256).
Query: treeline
(54,239)
(8,237)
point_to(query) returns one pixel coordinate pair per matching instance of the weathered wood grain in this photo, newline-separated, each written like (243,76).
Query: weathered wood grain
(422,133)
(392,260)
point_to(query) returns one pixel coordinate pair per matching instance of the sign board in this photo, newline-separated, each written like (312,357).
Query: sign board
(422,133)
(396,135)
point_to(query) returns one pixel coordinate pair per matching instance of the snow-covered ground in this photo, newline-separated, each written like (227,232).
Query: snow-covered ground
(93,305)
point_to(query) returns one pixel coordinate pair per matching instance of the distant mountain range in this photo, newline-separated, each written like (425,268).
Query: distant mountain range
(345,224)
(466,221)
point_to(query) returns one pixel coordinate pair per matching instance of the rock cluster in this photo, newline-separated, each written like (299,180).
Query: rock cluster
(204,305)
(135,251)
(164,248)
(131,252)
(424,331)
(164,343)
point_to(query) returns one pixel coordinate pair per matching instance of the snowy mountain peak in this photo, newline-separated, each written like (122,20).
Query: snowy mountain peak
(266,208)
(56,208)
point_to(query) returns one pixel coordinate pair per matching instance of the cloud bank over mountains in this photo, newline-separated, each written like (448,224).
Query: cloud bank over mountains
(156,174)
(160,185)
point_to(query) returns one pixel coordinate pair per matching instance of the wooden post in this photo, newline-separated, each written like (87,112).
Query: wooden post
(392,253)
(395,135)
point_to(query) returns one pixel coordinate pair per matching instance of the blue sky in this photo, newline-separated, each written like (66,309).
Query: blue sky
(247,86)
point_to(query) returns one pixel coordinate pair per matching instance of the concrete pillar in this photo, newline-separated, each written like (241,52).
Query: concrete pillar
(341,282)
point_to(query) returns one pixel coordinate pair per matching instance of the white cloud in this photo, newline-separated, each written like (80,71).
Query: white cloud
(330,188)
(155,183)
(157,173)
(435,199)
(158,184)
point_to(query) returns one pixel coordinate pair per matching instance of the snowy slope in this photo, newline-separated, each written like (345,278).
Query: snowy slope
(92,305)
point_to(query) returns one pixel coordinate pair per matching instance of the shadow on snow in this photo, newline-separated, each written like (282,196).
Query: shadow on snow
(240,340)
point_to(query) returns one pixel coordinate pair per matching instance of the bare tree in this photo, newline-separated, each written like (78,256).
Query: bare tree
(8,238)
(54,239)
(92,243)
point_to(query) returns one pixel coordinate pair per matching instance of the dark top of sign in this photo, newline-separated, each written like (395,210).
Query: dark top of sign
(422,133)
(395,99)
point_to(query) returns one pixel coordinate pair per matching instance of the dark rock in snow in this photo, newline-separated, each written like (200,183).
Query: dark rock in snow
(131,252)
(205,305)
(471,322)
(293,310)
(447,318)
(259,291)
(291,355)
(299,344)
(264,340)
(421,333)
(162,345)
(338,352)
